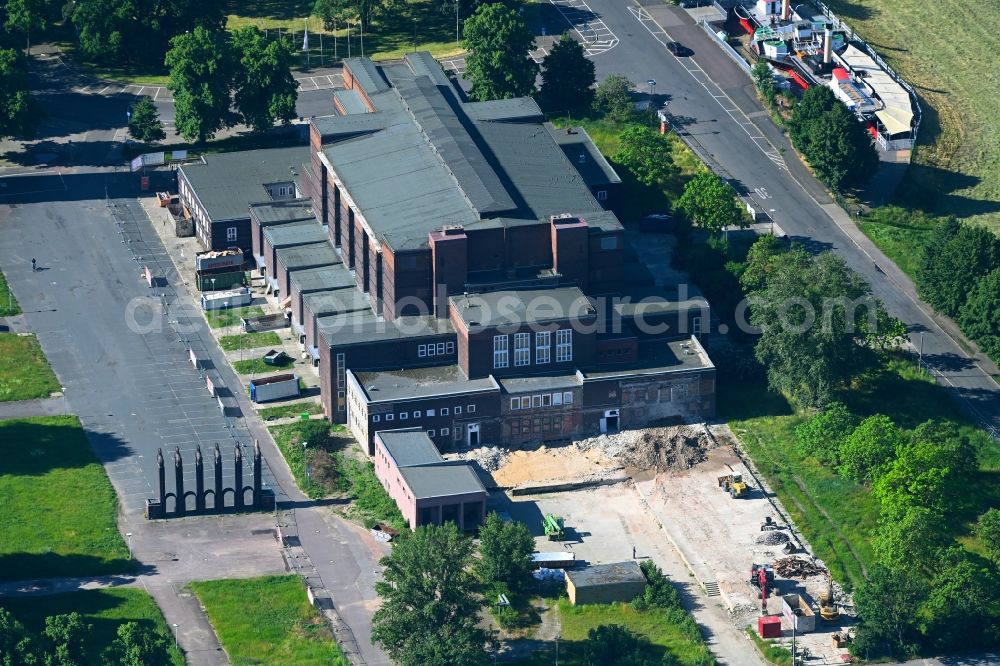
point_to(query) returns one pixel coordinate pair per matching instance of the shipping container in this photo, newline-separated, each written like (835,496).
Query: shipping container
(796,610)
(220,300)
(274,387)
(223,280)
(553,560)
(219,260)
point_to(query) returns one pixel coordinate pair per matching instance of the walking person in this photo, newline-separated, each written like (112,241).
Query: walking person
(33,264)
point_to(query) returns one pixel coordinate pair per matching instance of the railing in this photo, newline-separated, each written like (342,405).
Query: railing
(726,48)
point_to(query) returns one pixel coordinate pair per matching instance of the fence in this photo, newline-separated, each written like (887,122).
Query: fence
(726,48)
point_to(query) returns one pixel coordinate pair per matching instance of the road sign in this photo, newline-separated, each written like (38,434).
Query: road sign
(651,82)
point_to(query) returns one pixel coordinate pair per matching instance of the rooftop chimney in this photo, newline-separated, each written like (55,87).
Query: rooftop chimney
(827,43)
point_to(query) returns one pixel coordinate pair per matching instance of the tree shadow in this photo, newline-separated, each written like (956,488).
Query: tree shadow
(274,9)
(933,190)
(38,446)
(852,10)
(34,566)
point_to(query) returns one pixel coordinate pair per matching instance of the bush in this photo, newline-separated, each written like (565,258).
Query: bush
(823,434)
(613,98)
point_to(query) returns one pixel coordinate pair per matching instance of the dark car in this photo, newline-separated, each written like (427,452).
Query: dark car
(678,49)
(657,223)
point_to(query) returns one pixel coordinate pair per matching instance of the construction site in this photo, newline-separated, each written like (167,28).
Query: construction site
(685,497)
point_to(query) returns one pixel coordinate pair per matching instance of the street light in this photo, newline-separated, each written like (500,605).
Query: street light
(456,21)
(652,86)
(305,464)
(772,220)
(128,536)
(175,634)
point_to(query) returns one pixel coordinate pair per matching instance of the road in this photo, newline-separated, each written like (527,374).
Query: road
(712,101)
(124,370)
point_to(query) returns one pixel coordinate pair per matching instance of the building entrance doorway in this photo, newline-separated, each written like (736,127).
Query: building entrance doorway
(609,423)
(473,430)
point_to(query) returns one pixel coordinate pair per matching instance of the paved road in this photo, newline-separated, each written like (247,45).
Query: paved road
(126,374)
(711,100)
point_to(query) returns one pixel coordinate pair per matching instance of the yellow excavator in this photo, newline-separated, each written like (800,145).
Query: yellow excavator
(828,609)
(734,484)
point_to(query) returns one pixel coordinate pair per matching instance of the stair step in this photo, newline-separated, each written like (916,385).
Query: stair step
(712,589)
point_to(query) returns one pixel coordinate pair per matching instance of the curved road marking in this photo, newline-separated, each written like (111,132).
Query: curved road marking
(595,34)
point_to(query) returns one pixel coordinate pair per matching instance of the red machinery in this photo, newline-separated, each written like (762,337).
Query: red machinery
(762,575)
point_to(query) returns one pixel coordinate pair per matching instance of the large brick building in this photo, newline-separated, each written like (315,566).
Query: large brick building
(454,266)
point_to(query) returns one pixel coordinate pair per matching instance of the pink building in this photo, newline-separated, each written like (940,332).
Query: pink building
(428,489)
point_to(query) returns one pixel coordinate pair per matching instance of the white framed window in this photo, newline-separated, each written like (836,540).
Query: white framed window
(440,348)
(429,412)
(500,354)
(564,345)
(444,432)
(557,398)
(543,341)
(470,409)
(536,401)
(567,397)
(602,195)
(416,414)
(375,419)
(430,433)
(403,416)
(522,349)
(449,348)
(230,234)
(389,417)
(444,411)
(458,434)
(422,351)
(526,402)
(547,400)
(696,326)
(458,410)
(515,403)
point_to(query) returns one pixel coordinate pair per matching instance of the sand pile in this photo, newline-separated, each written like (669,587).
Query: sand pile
(663,448)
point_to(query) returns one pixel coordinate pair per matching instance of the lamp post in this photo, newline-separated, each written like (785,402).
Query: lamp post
(128,537)
(772,220)
(652,87)
(175,634)
(305,464)
(456,21)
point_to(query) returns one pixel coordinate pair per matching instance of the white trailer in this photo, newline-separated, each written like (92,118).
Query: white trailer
(221,300)
(553,560)
(275,387)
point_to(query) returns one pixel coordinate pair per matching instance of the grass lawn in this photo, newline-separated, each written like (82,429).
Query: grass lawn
(249,340)
(258,367)
(938,47)
(636,199)
(58,507)
(372,503)
(8,304)
(231,317)
(900,233)
(24,372)
(325,441)
(653,624)
(294,409)
(837,516)
(268,620)
(104,609)
(413,25)
(774,654)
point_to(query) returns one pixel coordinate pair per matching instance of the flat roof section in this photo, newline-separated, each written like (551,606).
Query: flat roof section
(540,383)
(287,235)
(350,101)
(579,149)
(366,327)
(307,256)
(309,280)
(606,574)
(227,183)
(409,446)
(413,383)
(657,357)
(442,480)
(336,301)
(282,212)
(499,308)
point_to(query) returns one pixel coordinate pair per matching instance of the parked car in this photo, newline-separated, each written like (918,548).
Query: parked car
(679,49)
(657,223)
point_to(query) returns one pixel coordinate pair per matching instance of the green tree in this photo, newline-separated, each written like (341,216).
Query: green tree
(144,122)
(812,313)
(988,531)
(138,646)
(18,110)
(932,470)
(866,452)
(567,77)
(498,65)
(430,601)
(764,80)
(954,262)
(266,91)
(762,259)
(888,606)
(822,435)
(615,644)
(961,608)
(201,73)
(709,202)
(979,316)
(335,13)
(647,155)
(505,549)
(831,138)
(27,16)
(613,98)
(68,635)
(18,647)
(910,537)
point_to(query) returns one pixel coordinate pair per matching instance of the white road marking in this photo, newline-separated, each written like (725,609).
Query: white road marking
(595,34)
(646,20)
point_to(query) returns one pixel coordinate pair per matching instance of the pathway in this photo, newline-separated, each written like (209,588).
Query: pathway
(41,407)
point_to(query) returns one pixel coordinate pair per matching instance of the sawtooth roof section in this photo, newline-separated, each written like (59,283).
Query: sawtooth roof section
(452,143)
(581,151)
(350,101)
(283,211)
(422,63)
(519,109)
(366,75)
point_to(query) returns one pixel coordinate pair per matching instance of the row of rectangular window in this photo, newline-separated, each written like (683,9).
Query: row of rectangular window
(542,400)
(403,416)
(522,348)
(438,349)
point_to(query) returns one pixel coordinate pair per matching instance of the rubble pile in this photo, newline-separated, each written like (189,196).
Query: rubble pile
(772,538)
(796,567)
(661,448)
(489,458)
